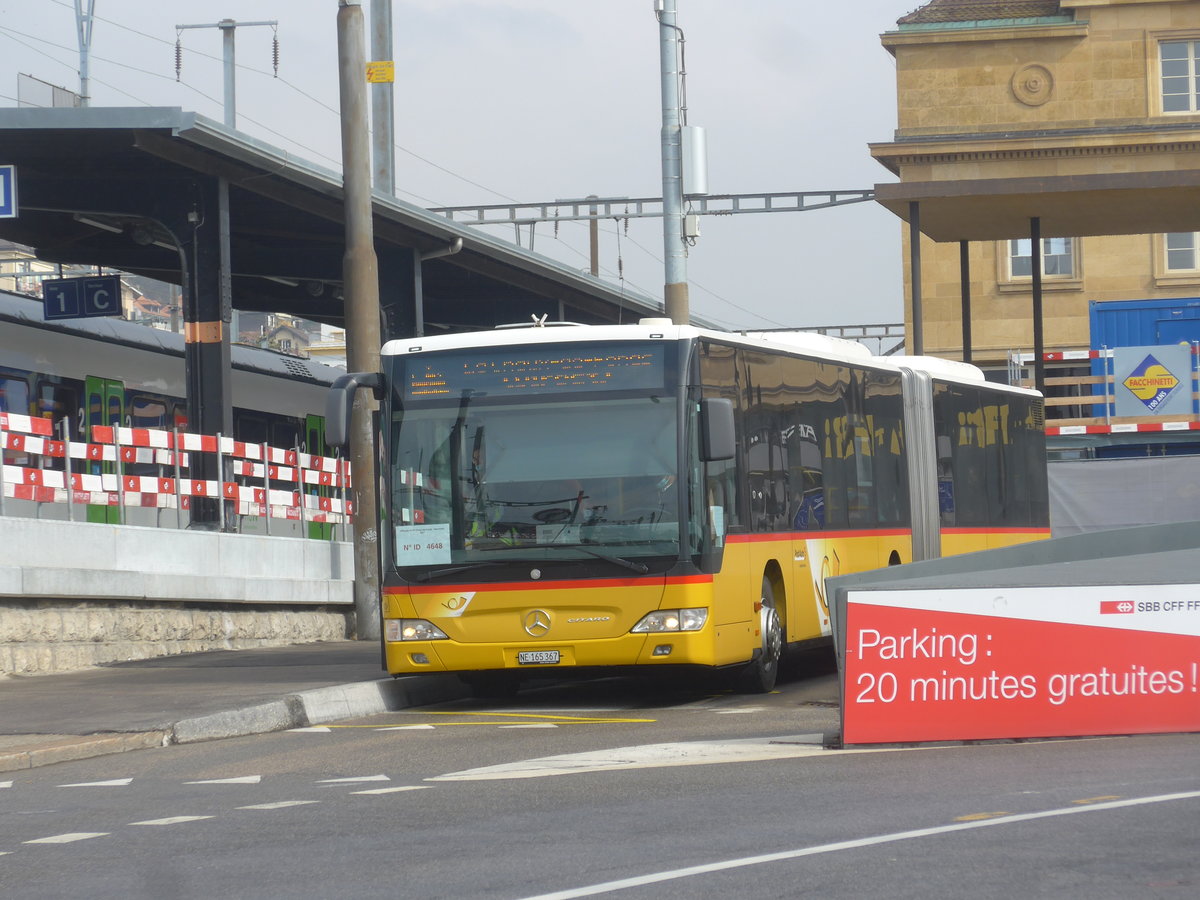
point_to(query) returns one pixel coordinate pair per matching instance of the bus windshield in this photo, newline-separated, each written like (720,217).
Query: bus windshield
(487,478)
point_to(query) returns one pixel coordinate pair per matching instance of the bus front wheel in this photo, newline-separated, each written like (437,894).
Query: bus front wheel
(759,676)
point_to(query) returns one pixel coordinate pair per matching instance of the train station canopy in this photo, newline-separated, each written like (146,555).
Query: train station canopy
(1158,192)
(115,187)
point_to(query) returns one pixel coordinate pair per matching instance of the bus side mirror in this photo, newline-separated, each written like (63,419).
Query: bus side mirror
(717,439)
(340,402)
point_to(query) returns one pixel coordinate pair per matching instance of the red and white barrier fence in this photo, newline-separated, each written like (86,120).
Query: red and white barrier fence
(287,476)
(1077,355)
(1121,428)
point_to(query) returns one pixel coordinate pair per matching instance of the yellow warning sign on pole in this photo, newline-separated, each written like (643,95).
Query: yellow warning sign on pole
(381,72)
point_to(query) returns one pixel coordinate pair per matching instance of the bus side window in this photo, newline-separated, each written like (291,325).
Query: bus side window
(944,415)
(719,375)
(885,418)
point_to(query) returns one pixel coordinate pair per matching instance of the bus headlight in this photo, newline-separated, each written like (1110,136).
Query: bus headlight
(672,620)
(412,630)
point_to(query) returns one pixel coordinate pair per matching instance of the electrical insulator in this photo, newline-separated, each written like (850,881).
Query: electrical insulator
(275,54)
(178,57)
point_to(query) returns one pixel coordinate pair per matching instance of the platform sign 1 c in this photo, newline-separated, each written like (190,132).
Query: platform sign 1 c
(973,664)
(8,192)
(81,298)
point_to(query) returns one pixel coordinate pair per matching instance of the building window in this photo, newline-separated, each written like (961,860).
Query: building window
(1179,63)
(1181,251)
(1058,258)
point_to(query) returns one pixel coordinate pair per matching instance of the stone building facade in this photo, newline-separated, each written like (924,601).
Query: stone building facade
(1012,91)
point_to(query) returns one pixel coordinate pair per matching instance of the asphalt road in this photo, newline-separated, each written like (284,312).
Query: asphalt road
(613,788)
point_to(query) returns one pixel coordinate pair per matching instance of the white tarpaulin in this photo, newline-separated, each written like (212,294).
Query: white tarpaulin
(1100,494)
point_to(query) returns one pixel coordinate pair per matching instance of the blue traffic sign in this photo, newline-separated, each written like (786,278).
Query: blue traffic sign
(79,298)
(8,192)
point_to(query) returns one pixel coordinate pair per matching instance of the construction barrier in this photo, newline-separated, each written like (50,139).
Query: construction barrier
(285,484)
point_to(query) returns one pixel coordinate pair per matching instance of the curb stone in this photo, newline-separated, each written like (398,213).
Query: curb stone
(298,710)
(66,749)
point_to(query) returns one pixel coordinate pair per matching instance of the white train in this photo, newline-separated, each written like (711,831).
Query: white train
(80,373)
(110,371)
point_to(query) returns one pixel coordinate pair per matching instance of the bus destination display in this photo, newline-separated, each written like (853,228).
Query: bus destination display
(560,369)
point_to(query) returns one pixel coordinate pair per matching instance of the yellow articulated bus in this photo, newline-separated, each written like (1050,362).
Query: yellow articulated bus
(586,497)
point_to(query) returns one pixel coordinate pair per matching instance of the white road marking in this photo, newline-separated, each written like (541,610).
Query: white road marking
(691,753)
(354,780)
(5,852)
(395,790)
(282,804)
(708,703)
(68,838)
(739,711)
(671,875)
(116,782)
(5,784)
(407,728)
(244,779)
(172,820)
(314,729)
(532,725)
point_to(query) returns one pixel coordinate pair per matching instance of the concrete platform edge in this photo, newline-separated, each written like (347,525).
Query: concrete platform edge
(299,710)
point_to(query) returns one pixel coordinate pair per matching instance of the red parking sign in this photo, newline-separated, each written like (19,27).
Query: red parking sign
(973,664)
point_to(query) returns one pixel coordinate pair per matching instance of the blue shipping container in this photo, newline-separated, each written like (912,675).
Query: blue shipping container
(1143,323)
(1140,323)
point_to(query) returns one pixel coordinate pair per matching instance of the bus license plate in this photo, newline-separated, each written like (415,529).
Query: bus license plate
(537,657)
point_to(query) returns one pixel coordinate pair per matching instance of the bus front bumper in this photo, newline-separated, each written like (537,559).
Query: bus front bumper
(663,648)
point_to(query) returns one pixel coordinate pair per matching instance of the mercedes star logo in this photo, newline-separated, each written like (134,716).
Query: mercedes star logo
(537,622)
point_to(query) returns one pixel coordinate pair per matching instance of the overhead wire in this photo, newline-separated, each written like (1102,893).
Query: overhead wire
(9,32)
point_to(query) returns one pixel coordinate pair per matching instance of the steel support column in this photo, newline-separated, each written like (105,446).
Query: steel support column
(1039,341)
(914,260)
(207,304)
(964,268)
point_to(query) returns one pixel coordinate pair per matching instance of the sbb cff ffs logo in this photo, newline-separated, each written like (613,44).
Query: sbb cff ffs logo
(1108,607)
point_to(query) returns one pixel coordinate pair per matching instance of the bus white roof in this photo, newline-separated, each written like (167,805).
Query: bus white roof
(954,370)
(948,369)
(800,342)
(808,343)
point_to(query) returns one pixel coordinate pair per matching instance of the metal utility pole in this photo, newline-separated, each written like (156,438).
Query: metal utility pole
(675,291)
(594,236)
(83,25)
(382,103)
(360,276)
(228,28)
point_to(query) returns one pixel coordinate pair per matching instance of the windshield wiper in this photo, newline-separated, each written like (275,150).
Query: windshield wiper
(450,570)
(620,561)
(607,557)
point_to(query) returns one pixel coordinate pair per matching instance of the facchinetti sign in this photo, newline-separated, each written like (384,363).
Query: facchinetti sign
(1153,381)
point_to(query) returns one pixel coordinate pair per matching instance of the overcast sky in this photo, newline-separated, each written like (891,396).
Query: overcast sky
(533,100)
